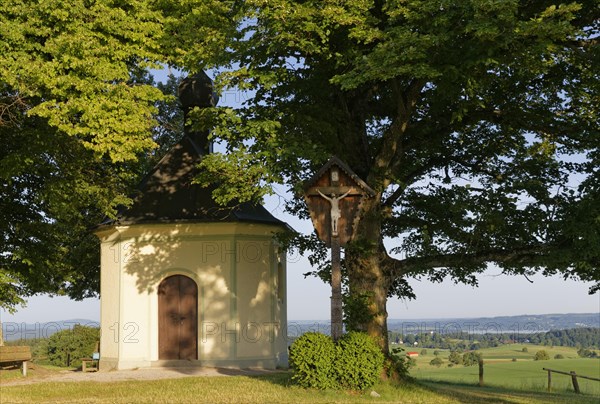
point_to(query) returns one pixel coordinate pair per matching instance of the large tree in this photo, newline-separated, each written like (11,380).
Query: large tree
(77,129)
(476,122)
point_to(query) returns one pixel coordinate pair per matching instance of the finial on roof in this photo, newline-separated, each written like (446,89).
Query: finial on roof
(197,91)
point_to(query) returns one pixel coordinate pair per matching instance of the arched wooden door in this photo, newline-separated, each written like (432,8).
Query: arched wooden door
(178,318)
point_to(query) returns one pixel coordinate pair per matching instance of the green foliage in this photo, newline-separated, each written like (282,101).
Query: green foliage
(455,358)
(541,355)
(524,349)
(359,361)
(559,356)
(471,358)
(398,364)
(77,129)
(354,363)
(71,61)
(72,345)
(312,358)
(356,310)
(423,352)
(587,353)
(488,124)
(437,361)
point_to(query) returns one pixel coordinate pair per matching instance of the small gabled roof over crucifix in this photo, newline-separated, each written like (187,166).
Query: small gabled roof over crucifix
(168,194)
(335,161)
(334,196)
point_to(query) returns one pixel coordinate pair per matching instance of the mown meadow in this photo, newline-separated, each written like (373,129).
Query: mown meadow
(512,366)
(272,389)
(506,381)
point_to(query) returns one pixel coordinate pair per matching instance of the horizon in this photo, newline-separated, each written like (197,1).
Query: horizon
(520,324)
(14,318)
(75,319)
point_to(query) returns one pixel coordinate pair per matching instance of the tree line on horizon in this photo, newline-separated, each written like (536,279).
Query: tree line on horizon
(575,337)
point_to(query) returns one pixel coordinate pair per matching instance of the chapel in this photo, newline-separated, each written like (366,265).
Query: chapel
(185,281)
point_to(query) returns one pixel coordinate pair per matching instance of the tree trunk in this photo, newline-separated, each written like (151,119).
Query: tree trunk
(368,282)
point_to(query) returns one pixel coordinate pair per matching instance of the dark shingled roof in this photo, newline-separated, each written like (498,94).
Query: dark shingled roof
(167,195)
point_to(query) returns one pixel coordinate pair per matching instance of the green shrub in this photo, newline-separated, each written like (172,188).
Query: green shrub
(436,362)
(514,359)
(354,363)
(359,361)
(455,358)
(524,349)
(398,363)
(587,353)
(541,356)
(559,356)
(471,358)
(436,352)
(423,352)
(312,358)
(67,347)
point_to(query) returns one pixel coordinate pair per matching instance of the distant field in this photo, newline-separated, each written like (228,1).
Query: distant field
(525,373)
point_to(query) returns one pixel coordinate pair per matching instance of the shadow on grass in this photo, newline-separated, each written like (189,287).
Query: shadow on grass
(276,377)
(473,394)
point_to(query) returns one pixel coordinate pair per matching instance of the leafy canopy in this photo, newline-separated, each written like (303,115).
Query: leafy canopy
(476,122)
(77,129)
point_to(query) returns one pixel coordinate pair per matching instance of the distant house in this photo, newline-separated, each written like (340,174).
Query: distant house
(412,354)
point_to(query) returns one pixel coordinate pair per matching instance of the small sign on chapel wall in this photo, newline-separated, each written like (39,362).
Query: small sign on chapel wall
(333,197)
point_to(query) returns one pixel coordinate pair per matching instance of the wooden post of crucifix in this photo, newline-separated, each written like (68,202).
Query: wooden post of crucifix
(333,197)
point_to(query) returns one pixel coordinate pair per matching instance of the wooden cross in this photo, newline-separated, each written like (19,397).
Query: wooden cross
(335,193)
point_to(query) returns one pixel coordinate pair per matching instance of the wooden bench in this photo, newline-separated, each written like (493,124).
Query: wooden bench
(15,355)
(86,362)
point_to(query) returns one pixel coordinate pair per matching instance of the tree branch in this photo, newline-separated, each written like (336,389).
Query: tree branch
(413,265)
(11,108)
(391,147)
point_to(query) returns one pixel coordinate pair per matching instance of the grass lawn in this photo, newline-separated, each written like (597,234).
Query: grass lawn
(524,374)
(507,352)
(33,370)
(269,389)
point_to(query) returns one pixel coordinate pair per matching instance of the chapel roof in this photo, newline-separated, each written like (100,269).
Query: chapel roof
(168,195)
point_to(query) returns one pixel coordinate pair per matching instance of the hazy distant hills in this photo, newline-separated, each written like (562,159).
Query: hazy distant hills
(526,323)
(522,324)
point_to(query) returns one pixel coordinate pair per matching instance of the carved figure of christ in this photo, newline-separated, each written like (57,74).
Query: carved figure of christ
(335,210)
